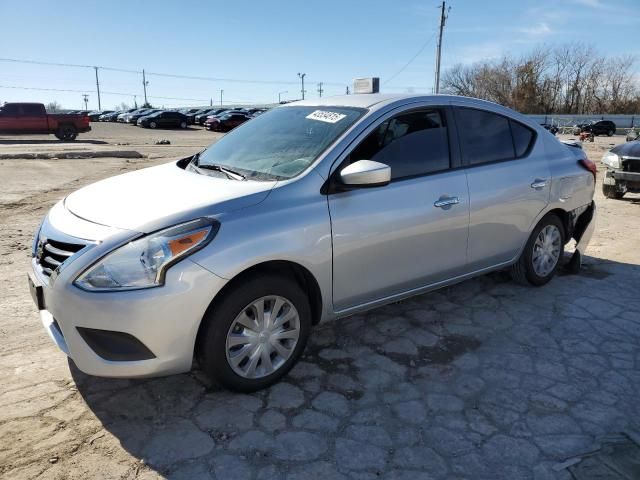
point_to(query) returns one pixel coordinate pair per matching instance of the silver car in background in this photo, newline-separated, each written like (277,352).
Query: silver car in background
(314,210)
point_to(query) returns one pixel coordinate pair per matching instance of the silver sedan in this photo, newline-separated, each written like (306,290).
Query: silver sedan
(312,211)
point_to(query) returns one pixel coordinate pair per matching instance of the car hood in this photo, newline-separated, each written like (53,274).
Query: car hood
(153,198)
(628,149)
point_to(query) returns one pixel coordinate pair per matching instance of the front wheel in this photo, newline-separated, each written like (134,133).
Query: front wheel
(153,124)
(610,133)
(542,254)
(183,125)
(611,191)
(255,333)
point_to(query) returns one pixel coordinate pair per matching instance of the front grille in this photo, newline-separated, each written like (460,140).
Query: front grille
(631,166)
(52,253)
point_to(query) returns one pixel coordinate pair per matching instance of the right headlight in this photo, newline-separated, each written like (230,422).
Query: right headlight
(612,160)
(142,263)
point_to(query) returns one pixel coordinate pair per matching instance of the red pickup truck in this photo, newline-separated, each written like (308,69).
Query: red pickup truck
(33,118)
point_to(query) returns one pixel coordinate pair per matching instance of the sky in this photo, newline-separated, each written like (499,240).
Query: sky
(254,50)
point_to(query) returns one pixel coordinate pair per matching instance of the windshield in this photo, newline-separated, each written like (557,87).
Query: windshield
(282,142)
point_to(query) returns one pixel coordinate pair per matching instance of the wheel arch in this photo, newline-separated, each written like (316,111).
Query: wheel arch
(294,270)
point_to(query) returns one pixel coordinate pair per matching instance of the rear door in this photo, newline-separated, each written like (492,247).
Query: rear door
(509,183)
(34,118)
(413,232)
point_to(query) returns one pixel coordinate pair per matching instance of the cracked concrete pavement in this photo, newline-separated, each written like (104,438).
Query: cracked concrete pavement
(482,380)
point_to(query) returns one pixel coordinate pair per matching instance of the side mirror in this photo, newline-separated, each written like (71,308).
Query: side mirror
(366,173)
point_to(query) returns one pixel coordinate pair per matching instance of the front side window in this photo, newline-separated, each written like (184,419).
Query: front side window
(414,143)
(32,111)
(281,143)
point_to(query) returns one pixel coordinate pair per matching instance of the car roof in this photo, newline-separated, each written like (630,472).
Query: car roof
(377,100)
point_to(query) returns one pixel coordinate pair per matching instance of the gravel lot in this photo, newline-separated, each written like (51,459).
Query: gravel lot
(483,380)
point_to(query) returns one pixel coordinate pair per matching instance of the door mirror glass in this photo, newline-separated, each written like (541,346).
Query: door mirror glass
(366,173)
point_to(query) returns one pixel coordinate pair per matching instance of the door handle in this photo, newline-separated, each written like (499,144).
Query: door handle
(446,201)
(539,183)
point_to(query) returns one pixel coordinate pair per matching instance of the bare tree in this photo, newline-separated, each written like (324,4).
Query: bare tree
(53,107)
(570,78)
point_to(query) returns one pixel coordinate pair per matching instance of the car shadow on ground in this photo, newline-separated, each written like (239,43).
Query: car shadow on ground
(51,142)
(458,381)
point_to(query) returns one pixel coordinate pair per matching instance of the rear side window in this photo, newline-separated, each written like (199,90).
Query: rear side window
(411,144)
(484,136)
(522,137)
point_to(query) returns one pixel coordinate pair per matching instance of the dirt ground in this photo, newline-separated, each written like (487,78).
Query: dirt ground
(481,380)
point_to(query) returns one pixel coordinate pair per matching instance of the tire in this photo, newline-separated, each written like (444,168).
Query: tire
(220,323)
(610,133)
(153,124)
(183,125)
(66,133)
(610,191)
(524,271)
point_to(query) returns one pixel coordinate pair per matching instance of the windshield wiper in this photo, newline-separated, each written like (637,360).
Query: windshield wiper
(219,168)
(195,162)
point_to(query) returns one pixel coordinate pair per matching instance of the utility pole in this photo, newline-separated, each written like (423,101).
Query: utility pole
(85,97)
(98,88)
(211,102)
(135,101)
(443,18)
(221,97)
(279,95)
(302,75)
(320,90)
(144,85)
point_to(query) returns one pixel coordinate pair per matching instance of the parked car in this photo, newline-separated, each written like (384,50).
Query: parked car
(623,170)
(201,117)
(111,117)
(310,212)
(551,128)
(191,117)
(140,112)
(189,111)
(633,134)
(602,127)
(227,121)
(133,117)
(95,116)
(21,118)
(164,119)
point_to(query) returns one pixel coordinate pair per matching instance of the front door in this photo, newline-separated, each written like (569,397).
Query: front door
(413,232)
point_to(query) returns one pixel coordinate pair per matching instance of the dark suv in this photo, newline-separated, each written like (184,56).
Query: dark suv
(602,127)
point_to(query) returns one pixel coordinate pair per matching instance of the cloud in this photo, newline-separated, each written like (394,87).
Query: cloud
(590,3)
(538,30)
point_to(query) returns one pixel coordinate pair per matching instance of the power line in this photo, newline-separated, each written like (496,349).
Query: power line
(102,91)
(412,58)
(162,74)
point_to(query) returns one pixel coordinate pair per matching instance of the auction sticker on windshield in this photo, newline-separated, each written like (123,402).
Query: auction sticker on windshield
(325,116)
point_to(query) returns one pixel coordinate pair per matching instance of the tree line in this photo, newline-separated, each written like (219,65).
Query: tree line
(566,79)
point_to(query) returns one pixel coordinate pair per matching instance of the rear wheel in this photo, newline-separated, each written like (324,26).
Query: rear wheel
(183,124)
(611,191)
(255,333)
(541,257)
(66,132)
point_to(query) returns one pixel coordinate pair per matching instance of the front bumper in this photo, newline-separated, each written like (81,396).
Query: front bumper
(165,320)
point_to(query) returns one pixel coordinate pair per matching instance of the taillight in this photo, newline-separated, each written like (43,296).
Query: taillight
(588,165)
